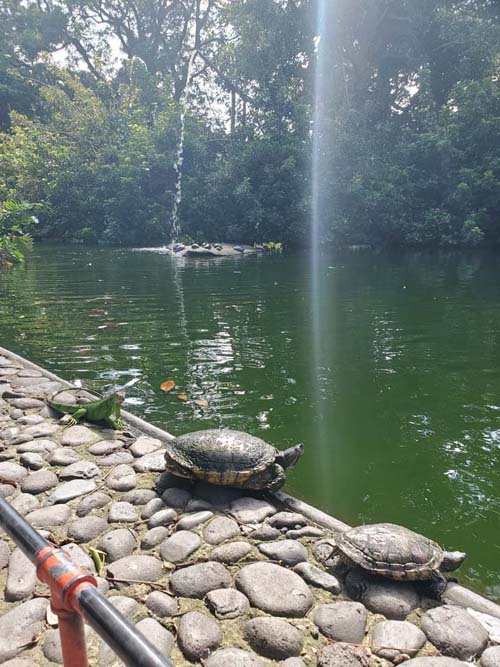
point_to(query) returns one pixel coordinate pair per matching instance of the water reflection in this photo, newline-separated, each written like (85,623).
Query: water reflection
(407,375)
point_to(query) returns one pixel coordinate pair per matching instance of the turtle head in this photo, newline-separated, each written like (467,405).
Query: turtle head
(452,560)
(289,457)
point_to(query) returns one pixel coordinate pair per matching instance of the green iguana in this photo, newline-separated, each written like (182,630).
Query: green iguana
(105,410)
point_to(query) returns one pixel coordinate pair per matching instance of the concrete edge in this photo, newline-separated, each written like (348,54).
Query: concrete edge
(455,593)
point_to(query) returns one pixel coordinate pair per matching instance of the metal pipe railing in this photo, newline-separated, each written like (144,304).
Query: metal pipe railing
(75,598)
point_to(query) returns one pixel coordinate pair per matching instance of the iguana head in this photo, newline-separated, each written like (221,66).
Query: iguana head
(119,397)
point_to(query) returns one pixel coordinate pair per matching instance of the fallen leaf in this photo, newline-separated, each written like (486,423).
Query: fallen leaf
(167,386)
(182,397)
(201,402)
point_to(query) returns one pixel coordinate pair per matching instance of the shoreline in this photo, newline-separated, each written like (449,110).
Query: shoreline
(215,530)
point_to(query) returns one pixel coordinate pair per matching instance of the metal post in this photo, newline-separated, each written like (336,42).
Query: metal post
(74,597)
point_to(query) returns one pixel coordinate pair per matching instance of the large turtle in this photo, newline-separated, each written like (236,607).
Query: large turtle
(230,458)
(397,553)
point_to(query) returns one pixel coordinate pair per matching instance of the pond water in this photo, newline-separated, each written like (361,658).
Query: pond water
(408,388)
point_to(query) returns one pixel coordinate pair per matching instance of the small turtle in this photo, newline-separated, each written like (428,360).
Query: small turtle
(178,247)
(397,553)
(230,458)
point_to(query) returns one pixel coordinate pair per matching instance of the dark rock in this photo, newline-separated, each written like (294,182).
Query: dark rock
(342,655)
(454,632)
(122,478)
(152,538)
(232,552)
(251,510)
(21,577)
(70,490)
(219,529)
(137,568)
(393,599)
(161,604)
(273,638)
(342,621)
(198,635)
(117,544)
(87,528)
(289,552)
(21,626)
(121,512)
(93,502)
(176,497)
(406,637)
(38,482)
(317,577)
(179,546)
(233,657)
(198,580)
(227,603)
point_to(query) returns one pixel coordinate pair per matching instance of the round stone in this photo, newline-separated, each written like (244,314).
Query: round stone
(198,635)
(227,603)
(21,626)
(81,470)
(144,445)
(137,568)
(4,554)
(288,552)
(152,507)
(38,482)
(273,638)
(12,472)
(454,632)
(152,538)
(87,528)
(162,518)
(25,503)
(436,662)
(122,513)
(491,657)
(220,529)
(39,446)
(175,497)
(342,655)
(153,462)
(74,436)
(70,490)
(265,533)
(122,478)
(232,552)
(230,657)
(317,577)
(63,456)
(342,621)
(161,604)
(292,662)
(405,637)
(190,521)
(104,447)
(179,546)
(196,581)
(251,510)
(117,544)
(160,637)
(275,590)
(119,457)
(287,520)
(21,577)
(49,517)
(32,460)
(52,648)
(93,502)
(139,496)
(393,599)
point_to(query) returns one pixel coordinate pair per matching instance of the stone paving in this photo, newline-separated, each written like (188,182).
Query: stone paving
(210,575)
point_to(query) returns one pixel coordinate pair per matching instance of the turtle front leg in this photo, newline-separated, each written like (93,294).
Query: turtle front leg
(435,586)
(278,478)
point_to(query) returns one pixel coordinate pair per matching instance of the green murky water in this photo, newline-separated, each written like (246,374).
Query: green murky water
(401,421)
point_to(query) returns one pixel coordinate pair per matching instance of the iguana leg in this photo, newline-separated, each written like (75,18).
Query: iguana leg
(71,420)
(114,423)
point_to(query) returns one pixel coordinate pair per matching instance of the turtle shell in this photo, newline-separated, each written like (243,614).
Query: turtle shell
(221,456)
(392,551)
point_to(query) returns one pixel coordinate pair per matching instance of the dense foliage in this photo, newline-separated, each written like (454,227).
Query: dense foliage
(407,115)
(15,220)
